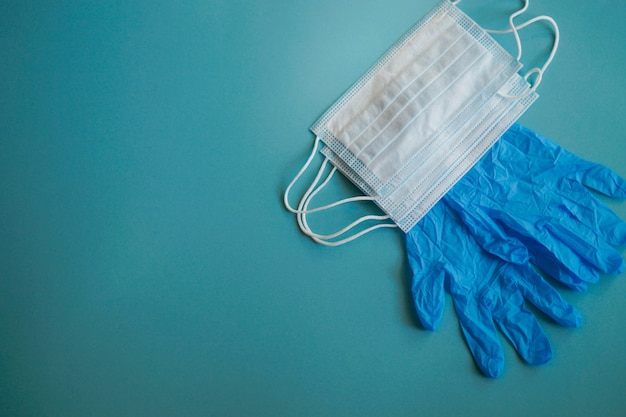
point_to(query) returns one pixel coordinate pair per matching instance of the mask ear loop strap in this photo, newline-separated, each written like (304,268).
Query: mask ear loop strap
(324,239)
(319,174)
(303,209)
(514,29)
(544,67)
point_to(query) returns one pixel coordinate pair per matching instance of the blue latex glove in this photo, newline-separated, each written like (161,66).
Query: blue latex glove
(485,289)
(527,200)
(524,202)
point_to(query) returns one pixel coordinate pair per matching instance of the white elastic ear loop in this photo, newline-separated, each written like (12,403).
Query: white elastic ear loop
(555,47)
(324,239)
(514,29)
(518,41)
(319,174)
(303,209)
(298,175)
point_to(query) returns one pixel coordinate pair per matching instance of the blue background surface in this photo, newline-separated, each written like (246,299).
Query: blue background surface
(148,267)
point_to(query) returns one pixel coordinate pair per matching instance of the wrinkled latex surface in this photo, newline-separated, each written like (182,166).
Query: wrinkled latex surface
(485,290)
(526,202)
(527,199)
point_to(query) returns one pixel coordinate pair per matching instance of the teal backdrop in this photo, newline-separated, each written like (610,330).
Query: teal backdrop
(148,267)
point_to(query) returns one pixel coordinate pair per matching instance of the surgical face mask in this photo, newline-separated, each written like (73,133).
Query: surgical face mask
(422,116)
(416,189)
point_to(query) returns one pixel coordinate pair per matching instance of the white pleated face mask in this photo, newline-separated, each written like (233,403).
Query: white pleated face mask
(441,160)
(422,116)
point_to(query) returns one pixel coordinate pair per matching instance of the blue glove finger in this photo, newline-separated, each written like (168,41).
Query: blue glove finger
(516,177)
(523,330)
(602,179)
(441,247)
(564,163)
(576,245)
(445,239)
(589,246)
(516,322)
(429,299)
(490,236)
(582,205)
(543,296)
(428,280)
(562,265)
(543,237)
(480,333)
(500,241)
(555,269)
(547,220)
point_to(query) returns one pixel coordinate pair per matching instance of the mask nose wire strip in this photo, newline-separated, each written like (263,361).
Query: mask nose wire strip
(302,209)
